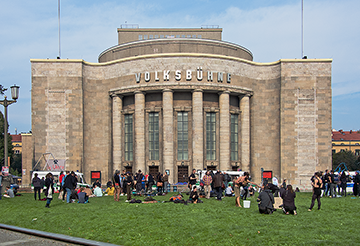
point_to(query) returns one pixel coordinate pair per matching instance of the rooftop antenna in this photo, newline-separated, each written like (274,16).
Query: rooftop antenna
(59,28)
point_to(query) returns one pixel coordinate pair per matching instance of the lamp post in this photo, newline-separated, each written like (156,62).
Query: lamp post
(5,103)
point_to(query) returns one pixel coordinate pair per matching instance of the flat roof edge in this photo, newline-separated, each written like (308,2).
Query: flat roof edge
(149,56)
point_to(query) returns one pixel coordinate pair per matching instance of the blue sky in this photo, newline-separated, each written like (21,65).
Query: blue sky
(270,29)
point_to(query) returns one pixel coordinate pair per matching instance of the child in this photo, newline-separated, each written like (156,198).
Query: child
(229,191)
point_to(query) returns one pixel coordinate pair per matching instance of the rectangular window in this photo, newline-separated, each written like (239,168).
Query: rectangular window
(128,137)
(211,136)
(150,36)
(161,36)
(199,36)
(153,136)
(140,37)
(183,133)
(145,36)
(156,36)
(234,135)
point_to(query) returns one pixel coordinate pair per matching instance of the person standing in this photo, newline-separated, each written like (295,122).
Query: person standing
(150,182)
(332,184)
(69,185)
(36,182)
(218,183)
(240,183)
(166,182)
(139,176)
(128,181)
(1,176)
(327,182)
(289,200)
(207,179)
(192,179)
(159,183)
(356,183)
(316,184)
(343,183)
(49,183)
(117,185)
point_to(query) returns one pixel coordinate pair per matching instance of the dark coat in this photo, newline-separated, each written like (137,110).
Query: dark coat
(266,199)
(288,199)
(49,182)
(218,180)
(70,182)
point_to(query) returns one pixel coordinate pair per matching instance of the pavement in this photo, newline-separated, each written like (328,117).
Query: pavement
(13,235)
(16,238)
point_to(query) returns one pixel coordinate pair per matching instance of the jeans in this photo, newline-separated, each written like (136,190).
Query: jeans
(37,190)
(218,192)
(68,192)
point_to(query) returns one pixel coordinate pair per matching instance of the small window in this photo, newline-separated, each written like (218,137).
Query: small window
(177,36)
(189,36)
(151,37)
(161,36)
(156,36)
(140,37)
(333,151)
(199,36)
(356,143)
(145,36)
(183,36)
(194,36)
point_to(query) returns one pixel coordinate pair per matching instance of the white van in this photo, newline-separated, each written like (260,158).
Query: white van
(56,174)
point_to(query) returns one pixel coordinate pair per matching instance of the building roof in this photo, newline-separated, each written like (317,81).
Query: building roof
(16,138)
(346,135)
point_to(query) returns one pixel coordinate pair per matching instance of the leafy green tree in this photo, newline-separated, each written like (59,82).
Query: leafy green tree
(348,157)
(16,165)
(10,147)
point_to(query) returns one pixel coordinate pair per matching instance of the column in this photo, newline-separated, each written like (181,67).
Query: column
(139,157)
(224,130)
(168,133)
(198,129)
(245,132)
(117,132)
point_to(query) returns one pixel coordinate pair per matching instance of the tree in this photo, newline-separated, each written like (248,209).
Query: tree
(348,157)
(10,147)
(16,165)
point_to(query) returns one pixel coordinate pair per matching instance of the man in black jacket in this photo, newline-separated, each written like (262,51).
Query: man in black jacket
(69,185)
(266,201)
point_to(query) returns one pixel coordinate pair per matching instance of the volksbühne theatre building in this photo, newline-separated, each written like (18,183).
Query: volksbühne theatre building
(178,99)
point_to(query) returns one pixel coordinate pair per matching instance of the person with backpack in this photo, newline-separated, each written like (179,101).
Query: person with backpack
(317,185)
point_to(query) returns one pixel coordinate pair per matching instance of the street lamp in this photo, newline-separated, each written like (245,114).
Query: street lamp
(5,103)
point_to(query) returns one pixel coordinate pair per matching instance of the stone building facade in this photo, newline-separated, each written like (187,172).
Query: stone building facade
(177,99)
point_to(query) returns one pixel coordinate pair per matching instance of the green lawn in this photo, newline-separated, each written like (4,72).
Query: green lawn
(209,223)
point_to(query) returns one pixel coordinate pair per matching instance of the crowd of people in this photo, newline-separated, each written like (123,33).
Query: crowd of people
(214,184)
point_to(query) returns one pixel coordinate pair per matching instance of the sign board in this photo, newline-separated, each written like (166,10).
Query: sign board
(5,170)
(55,165)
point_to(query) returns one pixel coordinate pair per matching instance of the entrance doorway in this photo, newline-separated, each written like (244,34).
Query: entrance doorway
(154,171)
(128,169)
(183,173)
(211,168)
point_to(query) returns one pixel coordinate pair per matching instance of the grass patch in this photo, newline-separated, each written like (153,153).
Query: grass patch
(208,223)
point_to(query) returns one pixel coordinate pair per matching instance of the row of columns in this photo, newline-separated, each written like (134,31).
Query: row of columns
(168,131)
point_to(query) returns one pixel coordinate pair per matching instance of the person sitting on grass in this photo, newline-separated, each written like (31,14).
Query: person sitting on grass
(97,191)
(9,192)
(83,197)
(110,191)
(266,201)
(194,195)
(288,197)
(229,191)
